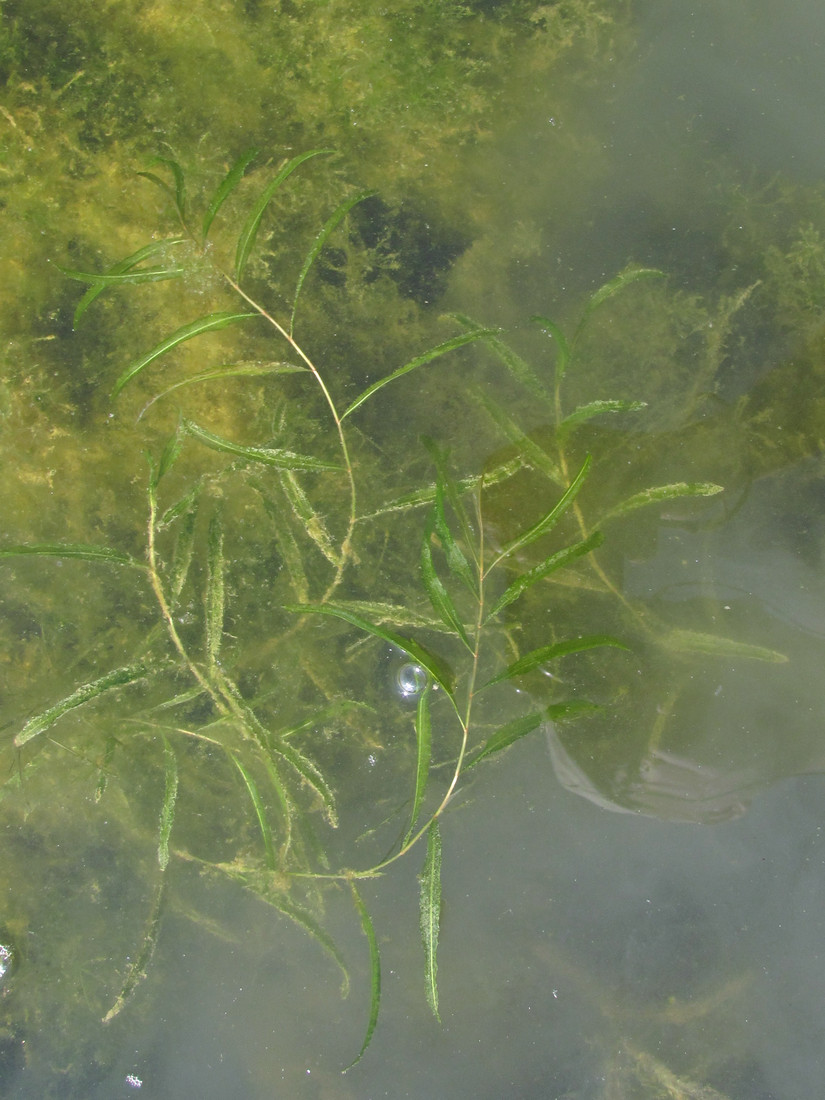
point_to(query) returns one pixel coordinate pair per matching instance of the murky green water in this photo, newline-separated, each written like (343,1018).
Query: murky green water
(632,892)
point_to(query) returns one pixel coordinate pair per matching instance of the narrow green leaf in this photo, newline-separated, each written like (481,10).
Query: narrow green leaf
(447,486)
(548,521)
(237,370)
(269,456)
(178,195)
(71,550)
(170,794)
(520,727)
(215,594)
(533,454)
(419,361)
(552,329)
(506,736)
(692,641)
(230,181)
(122,266)
(311,521)
(555,561)
(137,971)
(312,776)
(596,408)
(430,913)
(538,657)
(330,226)
(519,368)
(210,323)
(129,278)
(438,594)
(249,232)
(375,972)
(663,492)
(397,614)
(260,811)
(168,457)
(426,495)
(423,736)
(437,668)
(119,677)
(617,283)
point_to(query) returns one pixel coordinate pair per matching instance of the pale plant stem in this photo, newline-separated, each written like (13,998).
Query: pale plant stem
(346,545)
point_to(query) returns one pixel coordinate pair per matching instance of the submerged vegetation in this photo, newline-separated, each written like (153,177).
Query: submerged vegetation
(292,556)
(270,578)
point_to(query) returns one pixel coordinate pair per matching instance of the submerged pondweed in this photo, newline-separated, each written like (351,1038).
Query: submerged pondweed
(288,549)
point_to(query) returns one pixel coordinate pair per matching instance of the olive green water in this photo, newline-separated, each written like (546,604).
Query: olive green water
(632,895)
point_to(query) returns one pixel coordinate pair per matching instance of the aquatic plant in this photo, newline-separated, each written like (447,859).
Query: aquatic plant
(234,693)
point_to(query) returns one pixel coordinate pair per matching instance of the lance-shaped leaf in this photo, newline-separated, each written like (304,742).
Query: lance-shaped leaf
(167,812)
(235,370)
(430,913)
(269,456)
(538,657)
(447,486)
(249,232)
(178,195)
(659,493)
(312,776)
(533,454)
(211,323)
(438,594)
(692,641)
(260,811)
(613,286)
(513,731)
(437,668)
(375,971)
(552,329)
(595,408)
(120,268)
(549,520)
(79,550)
(423,736)
(519,368)
(506,736)
(230,181)
(330,225)
(419,361)
(119,677)
(129,278)
(554,562)
(215,595)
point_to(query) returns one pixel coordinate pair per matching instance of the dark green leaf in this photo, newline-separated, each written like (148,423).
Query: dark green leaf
(538,657)
(71,550)
(119,677)
(260,811)
(120,267)
(375,972)
(419,361)
(549,519)
(507,735)
(249,232)
(269,456)
(210,323)
(230,181)
(437,668)
(438,594)
(329,227)
(555,561)
(423,736)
